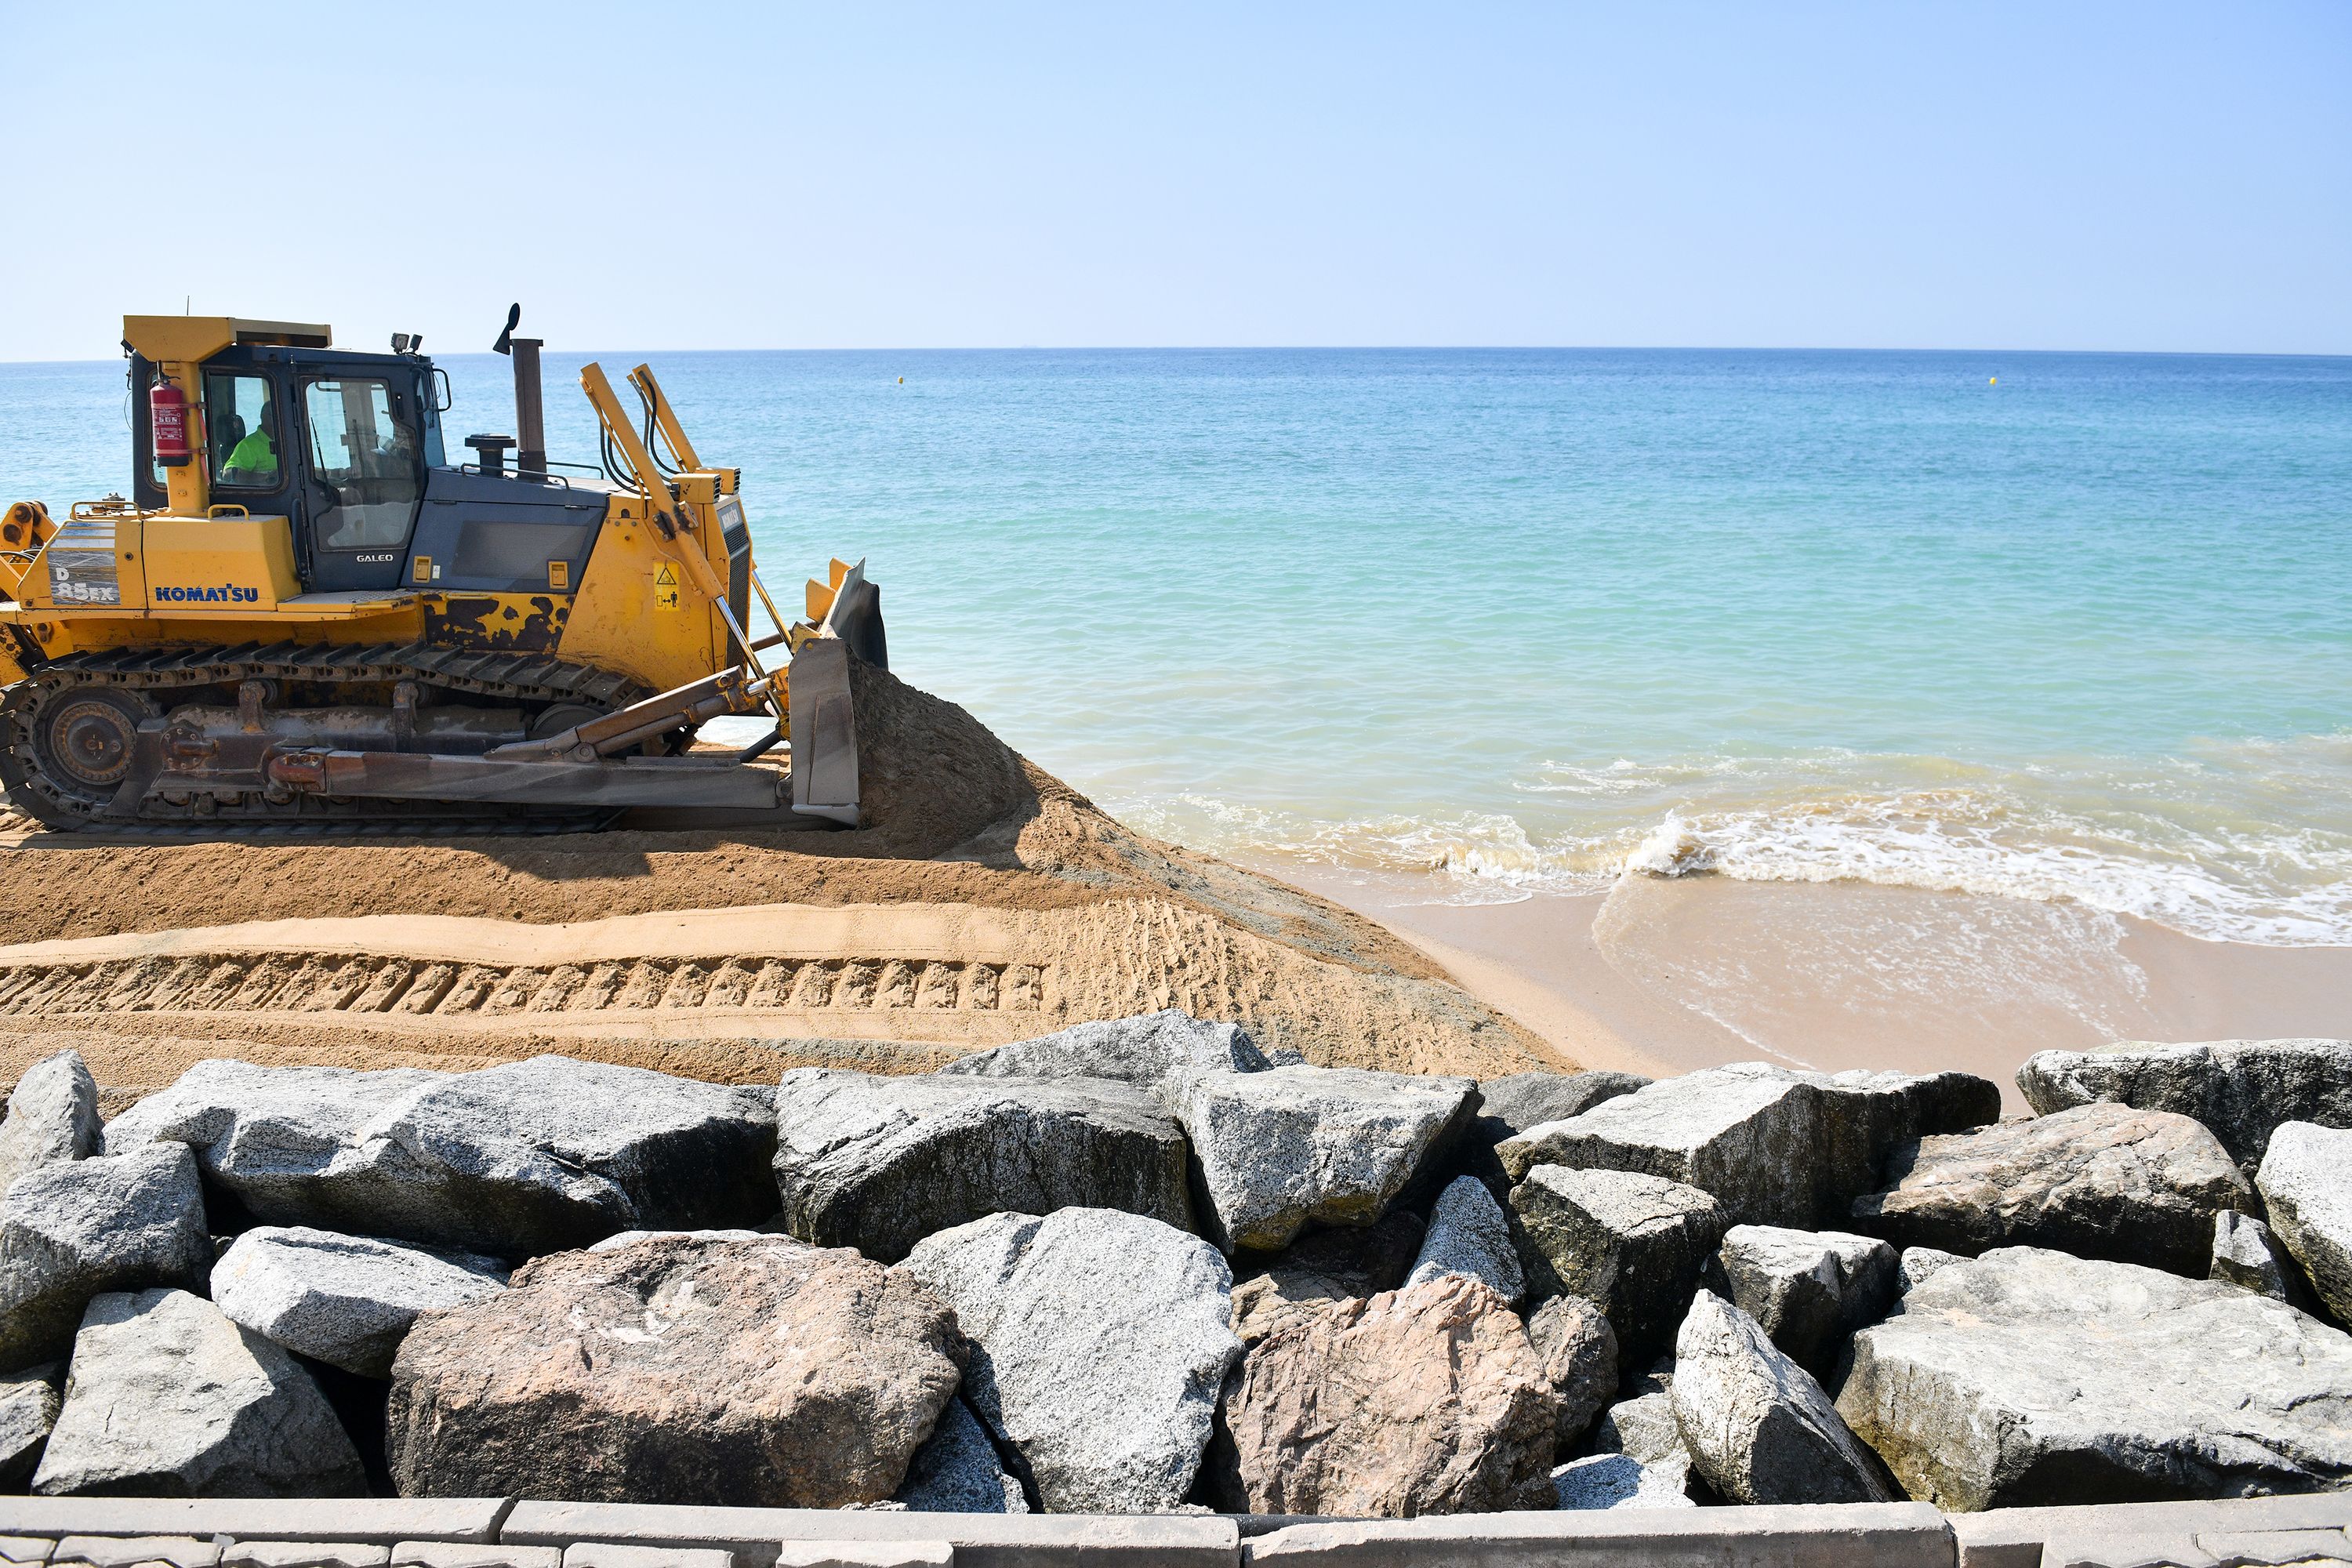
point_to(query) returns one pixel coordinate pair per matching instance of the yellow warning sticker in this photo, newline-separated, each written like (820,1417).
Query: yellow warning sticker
(665,587)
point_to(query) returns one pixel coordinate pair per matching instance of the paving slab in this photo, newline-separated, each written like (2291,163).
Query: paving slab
(618,1554)
(866,1555)
(2014,1537)
(2127,1549)
(1253,1525)
(135,1551)
(1836,1535)
(372,1521)
(2266,1548)
(2252,1533)
(305,1554)
(473,1554)
(756,1535)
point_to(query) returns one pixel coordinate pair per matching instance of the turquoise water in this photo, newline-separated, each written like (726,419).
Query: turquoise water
(1529,617)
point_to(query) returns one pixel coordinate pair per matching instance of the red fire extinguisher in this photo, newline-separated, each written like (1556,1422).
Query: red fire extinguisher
(167,415)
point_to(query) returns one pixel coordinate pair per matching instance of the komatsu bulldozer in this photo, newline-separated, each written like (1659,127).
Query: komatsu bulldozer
(305,614)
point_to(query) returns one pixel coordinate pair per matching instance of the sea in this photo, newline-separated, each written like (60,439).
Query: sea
(2062,627)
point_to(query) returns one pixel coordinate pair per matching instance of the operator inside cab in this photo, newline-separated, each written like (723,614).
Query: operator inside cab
(253,460)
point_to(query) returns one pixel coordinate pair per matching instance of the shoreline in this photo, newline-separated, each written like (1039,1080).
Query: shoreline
(1662,976)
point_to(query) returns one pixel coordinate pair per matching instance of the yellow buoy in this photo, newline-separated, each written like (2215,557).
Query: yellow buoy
(1989,381)
(902,380)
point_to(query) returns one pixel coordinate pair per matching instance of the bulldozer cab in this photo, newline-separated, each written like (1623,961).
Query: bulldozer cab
(341,444)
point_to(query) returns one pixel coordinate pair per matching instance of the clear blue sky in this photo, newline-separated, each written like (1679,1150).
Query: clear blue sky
(1998,175)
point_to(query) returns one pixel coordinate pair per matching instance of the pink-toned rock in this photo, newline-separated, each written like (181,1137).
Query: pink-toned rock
(1427,1400)
(682,1369)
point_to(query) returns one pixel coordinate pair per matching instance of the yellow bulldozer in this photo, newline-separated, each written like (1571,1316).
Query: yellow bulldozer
(305,614)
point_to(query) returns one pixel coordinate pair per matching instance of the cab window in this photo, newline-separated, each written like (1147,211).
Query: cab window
(363,454)
(241,432)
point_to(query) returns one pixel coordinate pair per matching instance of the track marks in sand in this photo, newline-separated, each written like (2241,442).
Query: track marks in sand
(290,983)
(935,973)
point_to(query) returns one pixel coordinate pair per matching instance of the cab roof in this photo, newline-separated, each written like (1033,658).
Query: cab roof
(186,340)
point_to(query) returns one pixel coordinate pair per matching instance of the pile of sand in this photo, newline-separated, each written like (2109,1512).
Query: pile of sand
(986,901)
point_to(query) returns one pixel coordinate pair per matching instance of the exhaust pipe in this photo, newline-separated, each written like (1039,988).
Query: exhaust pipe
(531,422)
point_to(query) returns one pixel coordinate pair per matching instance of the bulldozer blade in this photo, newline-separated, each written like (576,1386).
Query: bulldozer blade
(855,617)
(823,732)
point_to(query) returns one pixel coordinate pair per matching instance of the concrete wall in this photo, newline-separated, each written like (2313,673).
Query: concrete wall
(498,1532)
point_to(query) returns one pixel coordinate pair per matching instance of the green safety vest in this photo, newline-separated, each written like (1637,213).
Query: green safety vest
(253,455)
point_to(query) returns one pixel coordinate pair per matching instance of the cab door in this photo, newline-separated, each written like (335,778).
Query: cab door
(247,449)
(364,477)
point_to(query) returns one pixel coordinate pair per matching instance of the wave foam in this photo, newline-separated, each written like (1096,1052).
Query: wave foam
(2188,898)
(2209,844)
(1672,850)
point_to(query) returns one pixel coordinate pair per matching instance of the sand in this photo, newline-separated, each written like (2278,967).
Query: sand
(1662,976)
(987,903)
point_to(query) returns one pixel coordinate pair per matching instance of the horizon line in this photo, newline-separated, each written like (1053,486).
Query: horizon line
(1380,348)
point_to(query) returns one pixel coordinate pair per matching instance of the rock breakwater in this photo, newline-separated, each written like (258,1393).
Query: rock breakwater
(1144,1266)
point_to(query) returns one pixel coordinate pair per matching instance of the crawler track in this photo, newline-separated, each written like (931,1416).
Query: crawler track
(151,681)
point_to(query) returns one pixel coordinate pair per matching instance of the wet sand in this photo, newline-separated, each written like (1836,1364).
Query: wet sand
(1661,976)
